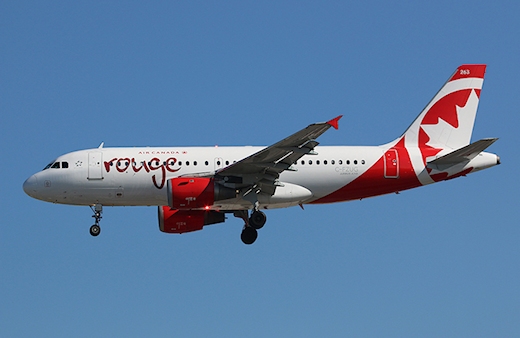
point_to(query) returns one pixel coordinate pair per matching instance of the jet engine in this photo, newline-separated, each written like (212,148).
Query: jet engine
(180,221)
(187,193)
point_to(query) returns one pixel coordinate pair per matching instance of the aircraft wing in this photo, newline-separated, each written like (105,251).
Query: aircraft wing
(464,154)
(262,169)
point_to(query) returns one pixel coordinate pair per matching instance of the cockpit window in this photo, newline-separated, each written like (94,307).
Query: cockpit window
(57,165)
(48,165)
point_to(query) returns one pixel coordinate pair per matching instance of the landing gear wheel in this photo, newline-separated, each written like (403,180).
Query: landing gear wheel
(97,209)
(249,235)
(257,219)
(95,230)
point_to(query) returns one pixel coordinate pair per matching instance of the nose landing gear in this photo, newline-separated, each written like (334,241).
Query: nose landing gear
(95,229)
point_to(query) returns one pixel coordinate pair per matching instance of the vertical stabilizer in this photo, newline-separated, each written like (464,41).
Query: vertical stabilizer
(447,121)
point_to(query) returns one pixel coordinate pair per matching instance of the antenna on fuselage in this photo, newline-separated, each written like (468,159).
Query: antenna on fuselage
(101,145)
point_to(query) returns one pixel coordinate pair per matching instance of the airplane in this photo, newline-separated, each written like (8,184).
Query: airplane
(198,186)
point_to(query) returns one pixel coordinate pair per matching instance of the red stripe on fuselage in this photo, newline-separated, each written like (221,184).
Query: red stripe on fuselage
(444,176)
(373,181)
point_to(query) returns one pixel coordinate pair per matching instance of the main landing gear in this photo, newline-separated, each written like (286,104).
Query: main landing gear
(252,224)
(95,229)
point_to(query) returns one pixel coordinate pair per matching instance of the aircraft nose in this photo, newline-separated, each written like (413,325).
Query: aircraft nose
(30,185)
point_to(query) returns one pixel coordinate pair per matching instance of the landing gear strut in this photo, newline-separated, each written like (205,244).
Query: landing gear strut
(95,229)
(252,224)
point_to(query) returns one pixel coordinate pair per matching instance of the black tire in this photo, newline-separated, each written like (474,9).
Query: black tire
(257,219)
(95,230)
(249,235)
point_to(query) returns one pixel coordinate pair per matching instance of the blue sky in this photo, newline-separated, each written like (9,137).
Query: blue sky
(442,260)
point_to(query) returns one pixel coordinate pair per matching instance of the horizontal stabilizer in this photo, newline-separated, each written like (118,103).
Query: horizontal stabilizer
(464,154)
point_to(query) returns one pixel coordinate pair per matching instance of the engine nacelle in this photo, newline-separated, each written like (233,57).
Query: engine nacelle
(180,221)
(196,192)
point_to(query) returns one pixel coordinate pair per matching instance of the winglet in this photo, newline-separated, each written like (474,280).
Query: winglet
(334,122)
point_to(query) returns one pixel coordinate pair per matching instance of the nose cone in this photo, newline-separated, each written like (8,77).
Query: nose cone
(30,186)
